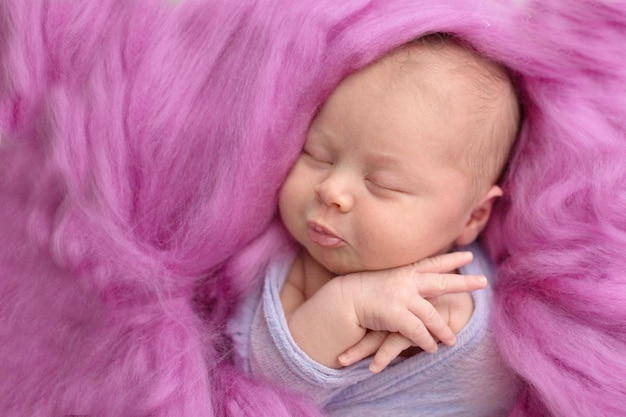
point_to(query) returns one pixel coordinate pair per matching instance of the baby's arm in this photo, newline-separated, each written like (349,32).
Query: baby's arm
(339,314)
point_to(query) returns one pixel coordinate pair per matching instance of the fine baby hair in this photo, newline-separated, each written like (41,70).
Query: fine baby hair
(487,148)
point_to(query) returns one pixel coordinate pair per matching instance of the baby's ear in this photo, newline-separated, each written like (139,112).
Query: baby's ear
(478,217)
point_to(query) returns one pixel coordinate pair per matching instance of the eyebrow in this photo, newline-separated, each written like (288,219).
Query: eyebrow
(390,164)
(382,159)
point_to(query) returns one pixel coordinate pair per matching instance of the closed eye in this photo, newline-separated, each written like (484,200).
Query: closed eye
(315,158)
(378,186)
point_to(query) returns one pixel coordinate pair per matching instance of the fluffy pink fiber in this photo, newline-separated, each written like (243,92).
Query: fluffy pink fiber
(142,144)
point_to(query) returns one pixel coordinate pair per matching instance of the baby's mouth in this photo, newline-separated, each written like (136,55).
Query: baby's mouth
(321,236)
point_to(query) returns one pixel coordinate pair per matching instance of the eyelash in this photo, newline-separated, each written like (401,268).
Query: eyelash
(381,187)
(316,159)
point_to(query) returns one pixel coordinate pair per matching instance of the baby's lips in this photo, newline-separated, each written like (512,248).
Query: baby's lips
(321,236)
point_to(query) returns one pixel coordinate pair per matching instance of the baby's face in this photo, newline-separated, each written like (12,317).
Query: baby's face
(376,185)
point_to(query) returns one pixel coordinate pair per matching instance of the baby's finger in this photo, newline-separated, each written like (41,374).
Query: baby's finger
(365,347)
(393,345)
(433,321)
(433,285)
(447,262)
(414,329)
(432,300)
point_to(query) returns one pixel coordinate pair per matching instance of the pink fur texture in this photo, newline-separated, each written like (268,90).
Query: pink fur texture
(141,147)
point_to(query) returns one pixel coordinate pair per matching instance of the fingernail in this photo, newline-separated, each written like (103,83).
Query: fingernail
(466,255)
(343,358)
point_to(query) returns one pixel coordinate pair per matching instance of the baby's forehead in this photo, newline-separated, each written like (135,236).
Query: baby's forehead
(447,63)
(461,88)
(450,81)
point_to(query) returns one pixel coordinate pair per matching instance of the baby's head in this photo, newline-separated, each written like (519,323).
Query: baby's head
(470,95)
(402,160)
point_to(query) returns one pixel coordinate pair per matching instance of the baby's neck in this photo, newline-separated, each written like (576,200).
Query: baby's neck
(313,274)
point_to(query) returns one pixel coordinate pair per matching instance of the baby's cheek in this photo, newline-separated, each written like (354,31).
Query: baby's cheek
(381,251)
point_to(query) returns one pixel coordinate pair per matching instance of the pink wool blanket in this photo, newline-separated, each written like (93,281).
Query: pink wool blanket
(142,144)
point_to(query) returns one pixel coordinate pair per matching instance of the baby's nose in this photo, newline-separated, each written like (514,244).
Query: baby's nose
(335,193)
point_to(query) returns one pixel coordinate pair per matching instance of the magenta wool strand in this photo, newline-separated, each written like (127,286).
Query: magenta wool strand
(142,144)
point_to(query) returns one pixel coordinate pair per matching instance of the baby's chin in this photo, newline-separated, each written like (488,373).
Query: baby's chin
(334,266)
(344,267)
(345,262)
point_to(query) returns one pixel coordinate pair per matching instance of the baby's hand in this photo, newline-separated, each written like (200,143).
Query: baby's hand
(455,309)
(392,307)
